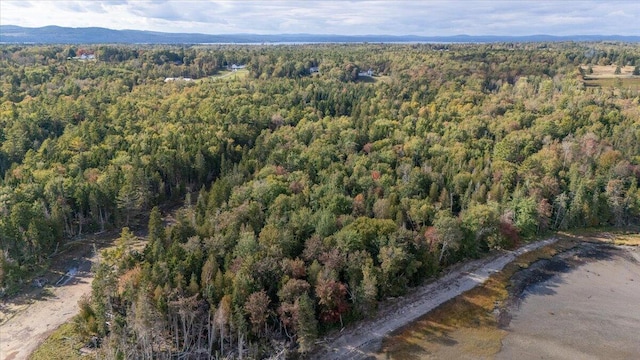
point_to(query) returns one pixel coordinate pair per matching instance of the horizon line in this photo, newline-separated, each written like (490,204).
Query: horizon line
(320,34)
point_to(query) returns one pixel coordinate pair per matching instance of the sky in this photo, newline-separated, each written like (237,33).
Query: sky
(375,17)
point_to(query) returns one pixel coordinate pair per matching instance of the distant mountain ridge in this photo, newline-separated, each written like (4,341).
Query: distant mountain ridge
(13,34)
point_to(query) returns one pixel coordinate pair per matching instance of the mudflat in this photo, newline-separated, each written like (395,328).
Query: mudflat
(588,311)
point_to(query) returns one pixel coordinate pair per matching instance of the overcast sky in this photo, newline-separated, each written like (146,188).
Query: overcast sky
(416,17)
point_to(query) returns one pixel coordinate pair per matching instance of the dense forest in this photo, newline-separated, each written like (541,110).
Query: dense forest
(309,189)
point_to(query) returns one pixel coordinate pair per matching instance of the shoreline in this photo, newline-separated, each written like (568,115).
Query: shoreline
(364,339)
(479,323)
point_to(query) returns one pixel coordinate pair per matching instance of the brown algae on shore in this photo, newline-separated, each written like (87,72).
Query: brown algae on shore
(627,239)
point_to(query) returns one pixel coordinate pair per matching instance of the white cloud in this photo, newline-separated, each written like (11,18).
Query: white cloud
(419,17)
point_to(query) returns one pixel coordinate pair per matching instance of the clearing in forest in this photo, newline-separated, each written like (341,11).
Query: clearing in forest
(606,76)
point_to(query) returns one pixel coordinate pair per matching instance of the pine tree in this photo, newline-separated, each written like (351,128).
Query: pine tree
(156,229)
(307,324)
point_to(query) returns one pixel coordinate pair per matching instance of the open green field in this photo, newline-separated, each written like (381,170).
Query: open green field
(374,79)
(624,83)
(64,343)
(607,71)
(605,76)
(234,75)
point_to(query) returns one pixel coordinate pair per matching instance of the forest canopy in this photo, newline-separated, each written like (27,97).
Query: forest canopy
(314,182)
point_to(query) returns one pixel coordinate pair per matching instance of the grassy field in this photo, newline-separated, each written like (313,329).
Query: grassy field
(63,344)
(374,79)
(231,75)
(605,76)
(629,240)
(630,237)
(607,71)
(626,83)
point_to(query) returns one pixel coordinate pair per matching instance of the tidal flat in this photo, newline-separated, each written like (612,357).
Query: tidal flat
(577,301)
(589,309)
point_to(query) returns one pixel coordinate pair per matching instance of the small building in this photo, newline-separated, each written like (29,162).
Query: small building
(235,67)
(83,57)
(314,69)
(169,79)
(368,73)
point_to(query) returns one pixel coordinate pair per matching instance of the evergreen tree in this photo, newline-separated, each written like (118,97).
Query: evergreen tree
(307,324)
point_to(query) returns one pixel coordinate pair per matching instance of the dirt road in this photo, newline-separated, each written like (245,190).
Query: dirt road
(30,321)
(363,340)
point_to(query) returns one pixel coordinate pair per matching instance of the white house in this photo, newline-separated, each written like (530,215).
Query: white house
(169,79)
